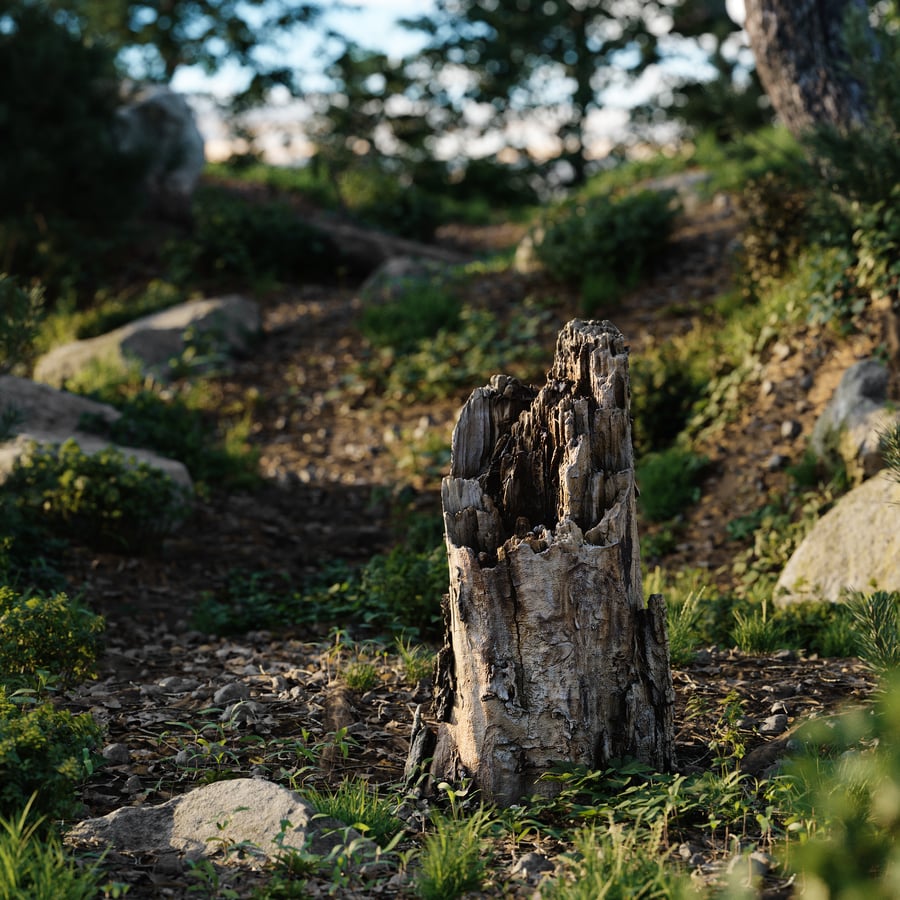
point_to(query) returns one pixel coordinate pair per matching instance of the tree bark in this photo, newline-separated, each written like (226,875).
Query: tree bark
(550,653)
(801,60)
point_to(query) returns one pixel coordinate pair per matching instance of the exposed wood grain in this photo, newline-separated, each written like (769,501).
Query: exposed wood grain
(551,654)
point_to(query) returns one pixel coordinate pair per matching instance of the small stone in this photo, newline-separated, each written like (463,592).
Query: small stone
(242,711)
(177,684)
(755,865)
(766,388)
(778,708)
(774,725)
(807,381)
(133,785)
(785,655)
(781,351)
(745,723)
(116,754)
(237,690)
(703,656)
(776,461)
(790,429)
(530,867)
(183,758)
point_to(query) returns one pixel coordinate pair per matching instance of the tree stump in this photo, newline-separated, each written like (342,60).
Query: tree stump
(550,653)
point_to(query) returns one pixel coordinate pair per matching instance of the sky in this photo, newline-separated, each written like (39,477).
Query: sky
(372,24)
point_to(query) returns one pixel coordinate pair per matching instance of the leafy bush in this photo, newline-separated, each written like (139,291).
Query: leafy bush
(45,752)
(462,358)
(417,312)
(19,322)
(101,500)
(172,427)
(64,184)
(55,634)
(668,482)
(775,224)
(237,240)
(605,244)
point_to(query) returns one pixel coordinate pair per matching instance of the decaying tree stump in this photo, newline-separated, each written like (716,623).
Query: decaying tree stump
(550,653)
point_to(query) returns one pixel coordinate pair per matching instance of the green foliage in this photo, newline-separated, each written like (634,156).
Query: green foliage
(359,804)
(843,795)
(876,242)
(175,424)
(45,752)
(890,450)
(453,859)
(418,660)
(388,200)
(237,241)
(605,244)
(102,500)
(34,865)
(683,617)
(19,322)
(774,230)
(757,632)
(417,312)
(458,360)
(665,386)
(613,863)
(876,621)
(55,634)
(669,482)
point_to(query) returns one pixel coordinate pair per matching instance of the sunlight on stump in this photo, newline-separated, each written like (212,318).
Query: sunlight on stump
(550,653)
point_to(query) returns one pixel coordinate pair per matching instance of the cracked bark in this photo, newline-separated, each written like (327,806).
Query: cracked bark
(802,61)
(550,653)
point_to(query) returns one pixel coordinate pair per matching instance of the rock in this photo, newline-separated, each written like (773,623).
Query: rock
(398,275)
(159,125)
(855,545)
(49,416)
(790,429)
(116,754)
(776,461)
(221,814)
(530,867)
(154,341)
(525,260)
(856,416)
(774,725)
(229,693)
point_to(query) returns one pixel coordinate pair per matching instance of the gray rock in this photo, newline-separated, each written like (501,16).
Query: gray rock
(530,867)
(153,342)
(49,416)
(856,416)
(774,725)
(224,813)
(854,546)
(790,429)
(116,754)
(160,125)
(229,693)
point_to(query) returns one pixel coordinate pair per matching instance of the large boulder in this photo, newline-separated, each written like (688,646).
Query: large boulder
(850,427)
(855,546)
(45,415)
(159,125)
(257,815)
(223,324)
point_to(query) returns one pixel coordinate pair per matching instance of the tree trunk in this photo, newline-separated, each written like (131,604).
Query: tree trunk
(550,653)
(801,60)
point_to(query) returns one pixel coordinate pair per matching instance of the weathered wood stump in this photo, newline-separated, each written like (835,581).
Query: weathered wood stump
(550,653)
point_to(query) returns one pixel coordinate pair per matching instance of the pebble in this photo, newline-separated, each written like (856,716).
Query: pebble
(766,388)
(530,867)
(176,684)
(756,864)
(778,708)
(133,785)
(237,690)
(116,754)
(776,461)
(242,711)
(781,351)
(774,725)
(790,429)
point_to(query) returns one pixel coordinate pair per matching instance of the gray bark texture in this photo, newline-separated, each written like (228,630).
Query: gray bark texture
(551,655)
(801,60)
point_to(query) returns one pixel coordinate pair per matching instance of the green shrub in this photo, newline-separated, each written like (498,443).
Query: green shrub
(170,425)
(605,244)
(45,752)
(775,225)
(34,865)
(55,634)
(669,482)
(418,311)
(890,450)
(101,500)
(876,623)
(235,240)
(21,310)
(453,860)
